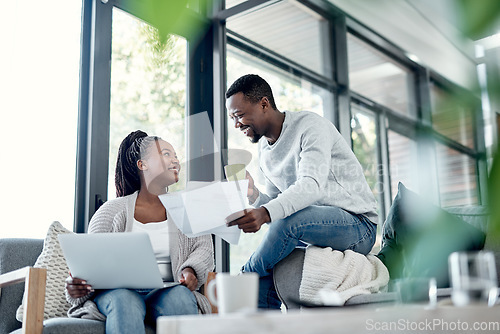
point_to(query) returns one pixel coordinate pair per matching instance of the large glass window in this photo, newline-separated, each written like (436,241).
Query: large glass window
(452,116)
(403,165)
(365,146)
(39,66)
(380,78)
(290,30)
(148,88)
(365,143)
(290,93)
(457,177)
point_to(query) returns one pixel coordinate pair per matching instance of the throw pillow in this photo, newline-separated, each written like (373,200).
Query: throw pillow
(53,260)
(418,237)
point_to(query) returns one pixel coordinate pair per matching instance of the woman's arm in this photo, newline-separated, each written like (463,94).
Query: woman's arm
(77,291)
(200,258)
(108,215)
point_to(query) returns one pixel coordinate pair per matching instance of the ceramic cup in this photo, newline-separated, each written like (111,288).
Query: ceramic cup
(235,293)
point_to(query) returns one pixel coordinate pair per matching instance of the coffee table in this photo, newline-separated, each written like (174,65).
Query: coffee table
(388,319)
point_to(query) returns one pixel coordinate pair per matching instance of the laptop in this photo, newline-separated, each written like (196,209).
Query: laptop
(112,260)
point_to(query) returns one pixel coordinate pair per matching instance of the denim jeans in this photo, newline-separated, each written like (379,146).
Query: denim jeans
(323,226)
(126,310)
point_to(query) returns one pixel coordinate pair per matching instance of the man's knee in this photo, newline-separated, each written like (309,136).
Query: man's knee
(289,225)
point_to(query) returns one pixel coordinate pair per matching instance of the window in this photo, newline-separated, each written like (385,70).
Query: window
(292,31)
(457,177)
(39,66)
(148,88)
(290,93)
(365,147)
(452,115)
(403,165)
(380,78)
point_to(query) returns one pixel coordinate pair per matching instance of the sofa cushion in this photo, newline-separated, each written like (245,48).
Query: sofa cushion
(476,215)
(417,238)
(53,260)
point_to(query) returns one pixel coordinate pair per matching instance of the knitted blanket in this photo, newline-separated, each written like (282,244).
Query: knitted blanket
(332,277)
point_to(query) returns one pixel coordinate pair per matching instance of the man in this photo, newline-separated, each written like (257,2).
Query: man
(316,191)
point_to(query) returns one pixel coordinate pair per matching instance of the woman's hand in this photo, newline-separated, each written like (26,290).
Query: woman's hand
(77,287)
(188,278)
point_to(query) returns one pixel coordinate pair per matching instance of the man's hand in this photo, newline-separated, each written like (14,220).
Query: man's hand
(252,220)
(188,278)
(77,287)
(252,192)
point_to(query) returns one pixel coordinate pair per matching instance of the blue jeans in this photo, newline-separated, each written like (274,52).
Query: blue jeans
(323,226)
(126,309)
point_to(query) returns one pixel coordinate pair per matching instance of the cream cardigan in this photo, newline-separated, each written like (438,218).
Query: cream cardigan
(117,215)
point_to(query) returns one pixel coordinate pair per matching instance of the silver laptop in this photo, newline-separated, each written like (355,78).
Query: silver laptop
(112,260)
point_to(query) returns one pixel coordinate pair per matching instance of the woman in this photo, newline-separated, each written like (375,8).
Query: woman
(145,167)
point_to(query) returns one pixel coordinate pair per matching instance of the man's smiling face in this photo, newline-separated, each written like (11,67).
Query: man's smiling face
(247,116)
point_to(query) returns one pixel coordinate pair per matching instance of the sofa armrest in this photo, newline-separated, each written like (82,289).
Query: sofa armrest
(34,291)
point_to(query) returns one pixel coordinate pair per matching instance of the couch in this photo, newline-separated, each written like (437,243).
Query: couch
(408,216)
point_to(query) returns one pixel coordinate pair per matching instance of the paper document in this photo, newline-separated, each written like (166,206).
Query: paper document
(202,208)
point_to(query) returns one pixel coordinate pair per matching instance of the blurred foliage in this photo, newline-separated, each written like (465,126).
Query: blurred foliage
(478,16)
(171,16)
(479,19)
(494,196)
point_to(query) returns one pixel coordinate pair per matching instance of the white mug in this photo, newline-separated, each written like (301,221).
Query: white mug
(235,293)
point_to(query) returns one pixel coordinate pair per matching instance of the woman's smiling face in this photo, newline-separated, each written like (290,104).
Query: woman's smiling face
(160,164)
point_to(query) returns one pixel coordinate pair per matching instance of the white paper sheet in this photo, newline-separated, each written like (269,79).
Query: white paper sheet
(202,208)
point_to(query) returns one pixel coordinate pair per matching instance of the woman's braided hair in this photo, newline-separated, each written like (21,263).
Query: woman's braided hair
(127,177)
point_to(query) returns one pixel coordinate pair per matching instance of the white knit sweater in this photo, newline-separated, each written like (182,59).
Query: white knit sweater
(117,215)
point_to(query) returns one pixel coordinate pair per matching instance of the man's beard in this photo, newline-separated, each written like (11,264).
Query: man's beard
(255,138)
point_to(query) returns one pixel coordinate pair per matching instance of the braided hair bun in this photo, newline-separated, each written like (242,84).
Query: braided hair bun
(127,178)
